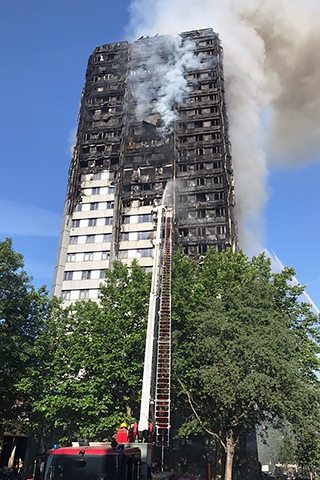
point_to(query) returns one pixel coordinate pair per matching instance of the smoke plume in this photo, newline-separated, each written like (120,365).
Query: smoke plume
(272,78)
(162,82)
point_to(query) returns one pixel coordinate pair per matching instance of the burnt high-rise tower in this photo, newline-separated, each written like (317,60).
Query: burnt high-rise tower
(152,115)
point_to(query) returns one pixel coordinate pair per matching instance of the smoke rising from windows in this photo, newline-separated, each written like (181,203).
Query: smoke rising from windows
(162,82)
(272,79)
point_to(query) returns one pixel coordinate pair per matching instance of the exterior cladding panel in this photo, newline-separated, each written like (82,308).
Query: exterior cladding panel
(123,139)
(144,156)
(101,128)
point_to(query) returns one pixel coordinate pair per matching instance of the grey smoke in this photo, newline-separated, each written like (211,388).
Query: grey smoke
(272,74)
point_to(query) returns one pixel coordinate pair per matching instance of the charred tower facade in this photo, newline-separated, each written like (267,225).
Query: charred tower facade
(152,124)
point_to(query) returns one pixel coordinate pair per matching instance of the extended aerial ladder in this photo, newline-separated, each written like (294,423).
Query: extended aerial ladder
(135,460)
(155,398)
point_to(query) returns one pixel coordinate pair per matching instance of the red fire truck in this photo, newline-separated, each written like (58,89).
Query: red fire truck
(92,463)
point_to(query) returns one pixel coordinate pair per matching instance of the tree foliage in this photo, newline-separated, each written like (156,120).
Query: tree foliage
(308,449)
(91,358)
(22,312)
(245,352)
(251,355)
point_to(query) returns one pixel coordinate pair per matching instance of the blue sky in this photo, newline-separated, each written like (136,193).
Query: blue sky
(44,51)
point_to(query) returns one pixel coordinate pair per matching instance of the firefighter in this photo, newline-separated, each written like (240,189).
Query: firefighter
(122,435)
(20,465)
(133,432)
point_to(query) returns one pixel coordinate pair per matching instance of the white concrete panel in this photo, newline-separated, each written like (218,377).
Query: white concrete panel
(96,256)
(77,275)
(95,274)
(107,175)
(93,294)
(74,295)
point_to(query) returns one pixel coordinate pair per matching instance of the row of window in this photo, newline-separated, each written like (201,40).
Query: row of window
(104,175)
(203,231)
(202,181)
(99,191)
(92,222)
(142,253)
(98,162)
(195,167)
(205,110)
(200,76)
(211,53)
(103,99)
(202,249)
(106,237)
(86,293)
(133,236)
(107,56)
(86,207)
(201,124)
(216,213)
(100,148)
(88,256)
(201,197)
(82,239)
(203,43)
(202,86)
(84,275)
(92,256)
(144,218)
(202,98)
(202,138)
(83,294)
(190,153)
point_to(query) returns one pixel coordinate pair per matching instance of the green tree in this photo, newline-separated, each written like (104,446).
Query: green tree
(245,353)
(22,313)
(308,450)
(91,358)
(287,453)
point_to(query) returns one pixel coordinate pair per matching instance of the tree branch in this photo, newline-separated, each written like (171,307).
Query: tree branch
(191,403)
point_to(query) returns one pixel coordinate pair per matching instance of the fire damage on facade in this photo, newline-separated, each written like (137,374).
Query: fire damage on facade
(123,138)
(143,156)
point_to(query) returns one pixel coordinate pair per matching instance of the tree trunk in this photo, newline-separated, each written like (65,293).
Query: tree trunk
(220,453)
(1,438)
(230,448)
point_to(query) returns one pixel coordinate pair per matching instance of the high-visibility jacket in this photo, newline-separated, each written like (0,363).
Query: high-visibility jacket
(122,435)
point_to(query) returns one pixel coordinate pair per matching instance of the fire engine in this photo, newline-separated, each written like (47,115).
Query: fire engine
(133,461)
(100,462)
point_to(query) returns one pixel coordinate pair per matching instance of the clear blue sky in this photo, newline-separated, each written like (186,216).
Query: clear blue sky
(44,51)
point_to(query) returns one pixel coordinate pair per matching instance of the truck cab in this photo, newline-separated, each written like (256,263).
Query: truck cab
(92,463)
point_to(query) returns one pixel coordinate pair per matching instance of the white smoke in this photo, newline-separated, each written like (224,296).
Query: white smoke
(272,78)
(174,85)
(277,266)
(72,140)
(162,82)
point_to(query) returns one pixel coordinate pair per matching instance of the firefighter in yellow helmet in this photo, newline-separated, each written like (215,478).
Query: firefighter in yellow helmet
(122,435)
